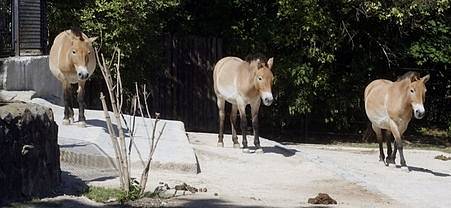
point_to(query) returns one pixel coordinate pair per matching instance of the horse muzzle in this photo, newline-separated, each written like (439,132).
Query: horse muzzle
(267,98)
(418,111)
(82,73)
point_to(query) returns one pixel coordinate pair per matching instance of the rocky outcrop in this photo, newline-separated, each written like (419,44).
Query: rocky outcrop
(29,151)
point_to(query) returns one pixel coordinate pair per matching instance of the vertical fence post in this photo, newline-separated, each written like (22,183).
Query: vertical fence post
(15,28)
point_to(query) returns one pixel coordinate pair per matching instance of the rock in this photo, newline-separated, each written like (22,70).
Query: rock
(322,198)
(29,151)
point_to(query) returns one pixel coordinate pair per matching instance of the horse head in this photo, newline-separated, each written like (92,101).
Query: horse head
(80,53)
(263,80)
(417,94)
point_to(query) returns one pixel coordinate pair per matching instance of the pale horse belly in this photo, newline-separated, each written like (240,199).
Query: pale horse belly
(380,119)
(229,93)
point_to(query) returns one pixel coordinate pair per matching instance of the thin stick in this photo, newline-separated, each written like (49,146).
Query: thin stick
(146,170)
(148,114)
(141,111)
(112,136)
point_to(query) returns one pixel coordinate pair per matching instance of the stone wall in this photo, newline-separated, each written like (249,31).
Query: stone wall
(31,73)
(29,151)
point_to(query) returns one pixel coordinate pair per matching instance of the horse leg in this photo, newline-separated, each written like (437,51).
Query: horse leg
(378,132)
(232,124)
(243,123)
(221,106)
(395,131)
(254,110)
(389,158)
(393,154)
(81,104)
(68,111)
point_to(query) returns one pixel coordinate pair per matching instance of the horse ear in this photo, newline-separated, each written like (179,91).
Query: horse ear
(91,40)
(425,78)
(270,62)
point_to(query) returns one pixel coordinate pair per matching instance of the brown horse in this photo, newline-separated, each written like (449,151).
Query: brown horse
(72,60)
(242,83)
(389,105)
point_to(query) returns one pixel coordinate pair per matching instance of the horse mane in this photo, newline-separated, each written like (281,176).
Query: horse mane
(262,60)
(77,32)
(412,75)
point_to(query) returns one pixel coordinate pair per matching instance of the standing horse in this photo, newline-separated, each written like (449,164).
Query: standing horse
(389,106)
(72,60)
(242,83)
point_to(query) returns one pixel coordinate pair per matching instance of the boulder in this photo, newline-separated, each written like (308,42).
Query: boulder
(29,151)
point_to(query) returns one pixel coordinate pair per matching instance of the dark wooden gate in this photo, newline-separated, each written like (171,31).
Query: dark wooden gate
(32,27)
(6,40)
(23,27)
(188,93)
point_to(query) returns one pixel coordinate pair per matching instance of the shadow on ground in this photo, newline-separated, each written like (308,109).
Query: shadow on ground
(70,185)
(103,124)
(424,170)
(281,151)
(206,203)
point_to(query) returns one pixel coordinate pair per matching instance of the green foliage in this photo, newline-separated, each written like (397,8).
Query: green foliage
(133,26)
(434,46)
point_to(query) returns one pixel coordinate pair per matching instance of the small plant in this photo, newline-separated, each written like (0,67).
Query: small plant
(101,194)
(433,132)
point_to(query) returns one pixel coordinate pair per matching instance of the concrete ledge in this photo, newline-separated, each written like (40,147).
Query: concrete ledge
(92,147)
(31,73)
(17,95)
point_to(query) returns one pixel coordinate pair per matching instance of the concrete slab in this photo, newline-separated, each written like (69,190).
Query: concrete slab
(17,95)
(31,73)
(91,146)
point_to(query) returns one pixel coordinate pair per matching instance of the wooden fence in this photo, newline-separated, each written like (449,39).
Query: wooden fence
(187,94)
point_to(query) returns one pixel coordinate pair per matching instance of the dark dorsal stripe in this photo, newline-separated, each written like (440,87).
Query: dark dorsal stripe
(77,32)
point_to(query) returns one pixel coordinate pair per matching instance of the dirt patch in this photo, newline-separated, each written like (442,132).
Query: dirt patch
(442,157)
(322,198)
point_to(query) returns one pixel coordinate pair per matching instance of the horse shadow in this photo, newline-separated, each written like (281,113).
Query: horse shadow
(279,150)
(425,170)
(103,124)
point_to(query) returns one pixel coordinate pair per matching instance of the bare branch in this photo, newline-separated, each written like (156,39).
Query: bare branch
(141,111)
(146,170)
(347,32)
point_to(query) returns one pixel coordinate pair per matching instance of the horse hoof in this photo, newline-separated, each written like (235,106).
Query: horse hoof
(259,151)
(220,144)
(81,124)
(246,150)
(405,169)
(236,146)
(66,122)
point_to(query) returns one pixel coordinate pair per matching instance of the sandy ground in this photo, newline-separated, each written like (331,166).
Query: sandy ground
(274,178)
(426,184)
(278,178)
